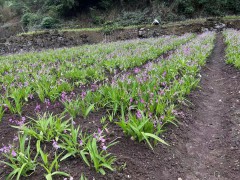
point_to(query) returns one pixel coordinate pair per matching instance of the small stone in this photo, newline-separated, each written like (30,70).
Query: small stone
(179,178)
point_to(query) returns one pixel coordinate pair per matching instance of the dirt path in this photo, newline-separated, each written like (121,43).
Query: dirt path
(209,144)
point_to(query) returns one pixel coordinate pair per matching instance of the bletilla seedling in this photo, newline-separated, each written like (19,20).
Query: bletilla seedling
(141,128)
(77,144)
(79,106)
(100,158)
(46,127)
(50,167)
(73,143)
(20,158)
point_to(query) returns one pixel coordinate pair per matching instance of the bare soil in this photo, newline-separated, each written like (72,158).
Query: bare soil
(207,141)
(205,145)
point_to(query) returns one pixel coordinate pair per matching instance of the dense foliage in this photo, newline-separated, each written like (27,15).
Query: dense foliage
(37,14)
(186,7)
(127,12)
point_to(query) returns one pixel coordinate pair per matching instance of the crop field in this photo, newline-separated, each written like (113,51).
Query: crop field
(73,113)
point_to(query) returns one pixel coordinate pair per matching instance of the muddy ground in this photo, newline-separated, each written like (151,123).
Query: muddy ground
(205,145)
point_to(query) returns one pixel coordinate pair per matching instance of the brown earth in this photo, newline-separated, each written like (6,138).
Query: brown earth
(210,147)
(205,145)
(56,39)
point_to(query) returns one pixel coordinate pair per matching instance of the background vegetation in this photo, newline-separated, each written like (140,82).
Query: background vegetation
(48,13)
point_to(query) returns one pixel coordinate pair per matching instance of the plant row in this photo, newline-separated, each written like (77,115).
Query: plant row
(47,74)
(232,39)
(142,103)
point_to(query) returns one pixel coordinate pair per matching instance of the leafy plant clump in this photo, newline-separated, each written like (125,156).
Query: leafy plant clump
(48,22)
(67,141)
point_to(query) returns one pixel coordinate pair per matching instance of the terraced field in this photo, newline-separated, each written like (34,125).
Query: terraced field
(123,110)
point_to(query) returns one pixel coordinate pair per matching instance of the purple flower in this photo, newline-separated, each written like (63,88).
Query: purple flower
(83,94)
(23,119)
(48,103)
(161,92)
(104,148)
(64,96)
(15,138)
(99,131)
(131,100)
(57,104)
(81,142)
(137,70)
(30,96)
(94,87)
(55,145)
(138,114)
(37,108)
(20,122)
(14,154)
(6,149)
(26,84)
(102,139)
(164,74)
(142,101)
(151,95)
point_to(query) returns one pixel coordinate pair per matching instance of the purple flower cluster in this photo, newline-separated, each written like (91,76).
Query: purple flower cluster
(55,145)
(100,138)
(139,114)
(37,108)
(20,122)
(47,103)
(8,150)
(67,97)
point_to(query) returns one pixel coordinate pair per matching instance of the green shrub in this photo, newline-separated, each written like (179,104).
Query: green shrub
(134,18)
(109,27)
(30,19)
(96,17)
(48,22)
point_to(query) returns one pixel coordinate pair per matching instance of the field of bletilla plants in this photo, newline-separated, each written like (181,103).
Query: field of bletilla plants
(57,106)
(232,39)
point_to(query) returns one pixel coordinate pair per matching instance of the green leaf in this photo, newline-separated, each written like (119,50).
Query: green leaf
(60,173)
(66,156)
(156,137)
(20,171)
(83,155)
(101,170)
(90,108)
